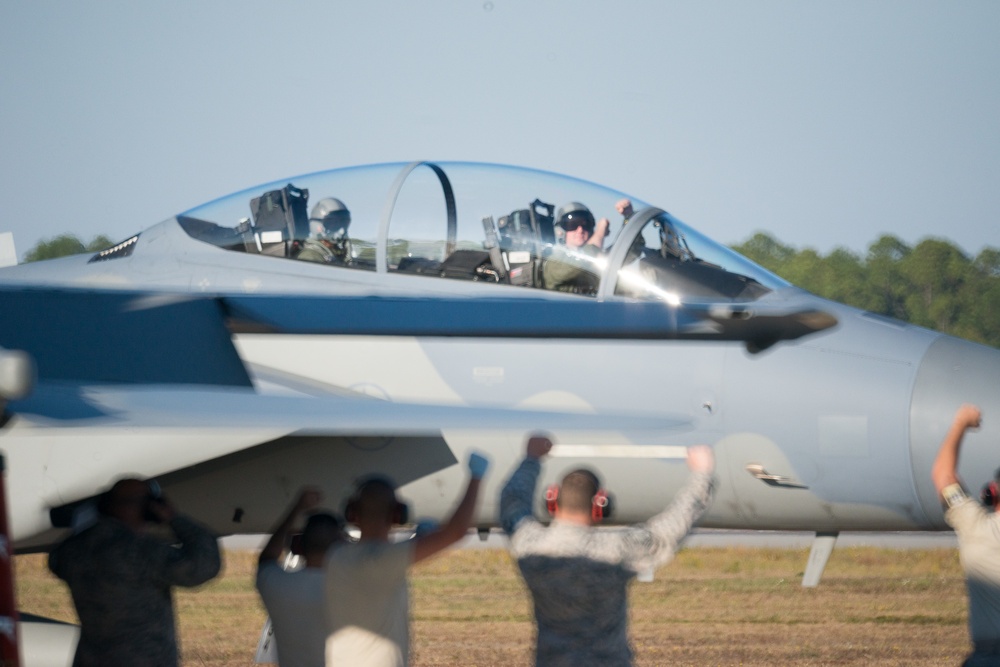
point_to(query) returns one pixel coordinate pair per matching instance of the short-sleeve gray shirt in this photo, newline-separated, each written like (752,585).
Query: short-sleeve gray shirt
(978,531)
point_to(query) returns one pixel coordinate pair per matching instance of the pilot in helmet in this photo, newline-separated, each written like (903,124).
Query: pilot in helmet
(328,241)
(577,223)
(571,268)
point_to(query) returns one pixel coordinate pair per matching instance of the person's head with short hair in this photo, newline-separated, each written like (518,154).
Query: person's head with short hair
(322,531)
(577,222)
(577,491)
(377,499)
(374,508)
(126,501)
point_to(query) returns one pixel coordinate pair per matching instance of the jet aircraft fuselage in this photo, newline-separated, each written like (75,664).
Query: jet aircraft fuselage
(832,427)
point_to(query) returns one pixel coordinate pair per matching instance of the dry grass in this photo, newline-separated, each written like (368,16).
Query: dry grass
(712,606)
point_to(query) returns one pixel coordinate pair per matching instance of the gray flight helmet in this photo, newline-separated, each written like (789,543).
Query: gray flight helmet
(330,218)
(574,211)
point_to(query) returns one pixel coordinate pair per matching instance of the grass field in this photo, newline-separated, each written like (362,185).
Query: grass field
(711,606)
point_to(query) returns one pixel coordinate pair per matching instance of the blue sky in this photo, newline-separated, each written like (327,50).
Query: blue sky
(824,124)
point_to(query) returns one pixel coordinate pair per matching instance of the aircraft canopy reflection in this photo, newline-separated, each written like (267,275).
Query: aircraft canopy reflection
(483,223)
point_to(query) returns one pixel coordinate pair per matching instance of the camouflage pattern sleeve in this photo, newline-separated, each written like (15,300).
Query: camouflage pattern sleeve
(654,543)
(515,499)
(198,558)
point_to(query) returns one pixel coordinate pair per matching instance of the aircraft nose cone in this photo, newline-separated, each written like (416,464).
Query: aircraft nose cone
(953,372)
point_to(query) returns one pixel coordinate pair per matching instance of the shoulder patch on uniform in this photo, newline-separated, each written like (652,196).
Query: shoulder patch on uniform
(954,494)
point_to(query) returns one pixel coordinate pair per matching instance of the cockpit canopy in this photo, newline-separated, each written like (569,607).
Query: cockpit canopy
(478,222)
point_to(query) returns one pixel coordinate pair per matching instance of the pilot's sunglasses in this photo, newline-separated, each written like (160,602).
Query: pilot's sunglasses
(570,224)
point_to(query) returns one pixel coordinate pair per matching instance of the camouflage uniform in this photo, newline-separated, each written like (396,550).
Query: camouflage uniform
(578,575)
(315,250)
(120,582)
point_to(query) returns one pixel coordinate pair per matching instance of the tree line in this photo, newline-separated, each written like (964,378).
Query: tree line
(65,245)
(933,284)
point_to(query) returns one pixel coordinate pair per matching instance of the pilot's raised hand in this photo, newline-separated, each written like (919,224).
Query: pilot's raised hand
(624,206)
(701,458)
(478,465)
(600,233)
(538,446)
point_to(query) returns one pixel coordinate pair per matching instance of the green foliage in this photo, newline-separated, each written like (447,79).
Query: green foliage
(65,244)
(934,284)
(99,242)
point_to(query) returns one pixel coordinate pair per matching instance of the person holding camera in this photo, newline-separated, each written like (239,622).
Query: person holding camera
(294,599)
(120,576)
(578,576)
(367,597)
(977,526)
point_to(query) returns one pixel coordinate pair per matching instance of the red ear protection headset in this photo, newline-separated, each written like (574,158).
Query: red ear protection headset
(400,513)
(990,495)
(552,498)
(600,504)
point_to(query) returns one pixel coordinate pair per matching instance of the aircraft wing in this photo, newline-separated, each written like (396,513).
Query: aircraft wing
(67,442)
(234,408)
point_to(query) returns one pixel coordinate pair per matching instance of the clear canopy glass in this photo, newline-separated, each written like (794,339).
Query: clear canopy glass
(481,222)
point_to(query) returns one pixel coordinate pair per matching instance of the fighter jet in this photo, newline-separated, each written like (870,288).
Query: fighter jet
(389,318)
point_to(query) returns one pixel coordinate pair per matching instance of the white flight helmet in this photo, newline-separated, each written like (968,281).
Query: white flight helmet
(329,219)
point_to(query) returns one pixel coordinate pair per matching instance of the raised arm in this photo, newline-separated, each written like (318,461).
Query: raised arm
(944,472)
(198,559)
(624,206)
(461,519)
(654,543)
(308,498)
(600,233)
(515,499)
